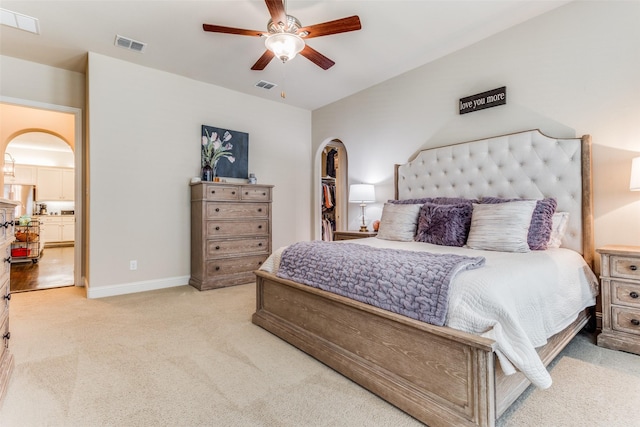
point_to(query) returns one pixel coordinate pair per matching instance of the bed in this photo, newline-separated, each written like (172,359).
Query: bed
(438,374)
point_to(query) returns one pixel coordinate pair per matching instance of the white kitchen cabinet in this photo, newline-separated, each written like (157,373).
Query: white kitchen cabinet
(55,184)
(57,228)
(24,175)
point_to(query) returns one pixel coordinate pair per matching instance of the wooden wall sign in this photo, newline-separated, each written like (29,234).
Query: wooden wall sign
(483,100)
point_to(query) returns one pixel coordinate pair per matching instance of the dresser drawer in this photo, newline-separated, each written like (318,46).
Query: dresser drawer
(4,334)
(222,192)
(237,210)
(5,269)
(624,293)
(262,194)
(221,267)
(625,267)
(237,228)
(625,320)
(221,248)
(5,290)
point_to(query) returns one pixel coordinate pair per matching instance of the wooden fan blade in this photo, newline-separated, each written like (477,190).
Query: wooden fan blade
(317,58)
(276,10)
(230,30)
(264,60)
(352,23)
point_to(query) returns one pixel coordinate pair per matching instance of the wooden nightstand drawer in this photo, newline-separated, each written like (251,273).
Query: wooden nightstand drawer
(625,320)
(625,267)
(625,293)
(350,235)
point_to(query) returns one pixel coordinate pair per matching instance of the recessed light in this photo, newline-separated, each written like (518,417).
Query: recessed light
(19,21)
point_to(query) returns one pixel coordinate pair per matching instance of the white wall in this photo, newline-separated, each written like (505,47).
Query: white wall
(41,83)
(570,72)
(144,139)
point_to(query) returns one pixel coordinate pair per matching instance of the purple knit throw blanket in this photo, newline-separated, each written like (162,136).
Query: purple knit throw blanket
(414,284)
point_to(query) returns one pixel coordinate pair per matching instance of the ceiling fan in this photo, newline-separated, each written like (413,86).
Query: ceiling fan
(285,36)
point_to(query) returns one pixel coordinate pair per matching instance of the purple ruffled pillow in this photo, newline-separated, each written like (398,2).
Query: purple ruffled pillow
(541,221)
(435,200)
(446,225)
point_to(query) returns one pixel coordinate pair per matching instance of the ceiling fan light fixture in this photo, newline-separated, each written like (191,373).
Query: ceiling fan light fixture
(285,46)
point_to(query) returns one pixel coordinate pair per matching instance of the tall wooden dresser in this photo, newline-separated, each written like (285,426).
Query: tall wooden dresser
(230,233)
(7,211)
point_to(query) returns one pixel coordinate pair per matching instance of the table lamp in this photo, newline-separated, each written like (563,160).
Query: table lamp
(363,194)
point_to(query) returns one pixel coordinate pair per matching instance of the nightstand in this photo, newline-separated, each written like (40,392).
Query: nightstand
(620,276)
(350,235)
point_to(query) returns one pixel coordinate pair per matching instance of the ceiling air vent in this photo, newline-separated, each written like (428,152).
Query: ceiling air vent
(130,44)
(265,85)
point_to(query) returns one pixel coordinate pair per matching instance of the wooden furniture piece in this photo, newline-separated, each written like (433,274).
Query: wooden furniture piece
(230,233)
(440,375)
(349,235)
(7,212)
(620,275)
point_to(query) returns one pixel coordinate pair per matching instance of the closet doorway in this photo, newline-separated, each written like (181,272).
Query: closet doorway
(334,189)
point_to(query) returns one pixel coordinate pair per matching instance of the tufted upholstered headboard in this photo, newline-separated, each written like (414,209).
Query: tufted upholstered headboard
(525,165)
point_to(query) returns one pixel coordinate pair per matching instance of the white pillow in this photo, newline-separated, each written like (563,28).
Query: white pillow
(560,220)
(399,222)
(501,227)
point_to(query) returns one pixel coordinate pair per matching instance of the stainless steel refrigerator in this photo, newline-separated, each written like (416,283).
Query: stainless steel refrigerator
(24,194)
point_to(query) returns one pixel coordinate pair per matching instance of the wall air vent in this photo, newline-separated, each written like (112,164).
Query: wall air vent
(265,85)
(130,44)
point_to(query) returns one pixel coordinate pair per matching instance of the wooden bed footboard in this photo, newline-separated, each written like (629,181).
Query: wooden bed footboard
(439,375)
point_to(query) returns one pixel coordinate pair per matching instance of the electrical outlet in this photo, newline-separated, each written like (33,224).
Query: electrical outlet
(133,264)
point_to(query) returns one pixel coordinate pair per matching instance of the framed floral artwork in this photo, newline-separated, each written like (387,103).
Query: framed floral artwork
(225,152)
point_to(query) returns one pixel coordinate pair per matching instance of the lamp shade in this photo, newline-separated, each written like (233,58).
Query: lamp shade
(634,183)
(362,193)
(285,46)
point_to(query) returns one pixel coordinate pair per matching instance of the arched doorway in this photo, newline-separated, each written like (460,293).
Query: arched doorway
(42,183)
(331,188)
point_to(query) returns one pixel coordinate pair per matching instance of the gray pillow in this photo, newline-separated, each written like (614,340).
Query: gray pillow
(446,225)
(541,221)
(398,222)
(501,227)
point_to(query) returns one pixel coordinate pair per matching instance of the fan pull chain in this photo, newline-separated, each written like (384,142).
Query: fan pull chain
(283,93)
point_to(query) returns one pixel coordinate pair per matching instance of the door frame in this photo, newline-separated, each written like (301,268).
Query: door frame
(78,277)
(342,181)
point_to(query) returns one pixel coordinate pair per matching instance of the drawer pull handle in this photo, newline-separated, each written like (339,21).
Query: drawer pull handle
(217,248)
(8,259)
(260,263)
(217,268)
(260,226)
(633,267)
(264,194)
(7,297)
(213,191)
(634,294)
(260,210)
(217,209)
(7,336)
(260,244)
(217,228)
(635,322)
(246,193)
(233,192)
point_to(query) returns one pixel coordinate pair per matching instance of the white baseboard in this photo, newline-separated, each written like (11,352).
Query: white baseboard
(130,288)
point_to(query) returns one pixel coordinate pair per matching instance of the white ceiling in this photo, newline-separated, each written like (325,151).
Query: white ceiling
(396,36)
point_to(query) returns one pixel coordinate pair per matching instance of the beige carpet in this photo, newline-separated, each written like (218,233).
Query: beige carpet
(180,357)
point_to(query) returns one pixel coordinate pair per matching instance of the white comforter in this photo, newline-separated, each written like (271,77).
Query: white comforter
(517,299)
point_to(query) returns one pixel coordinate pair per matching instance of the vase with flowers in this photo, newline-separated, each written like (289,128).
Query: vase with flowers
(214,149)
